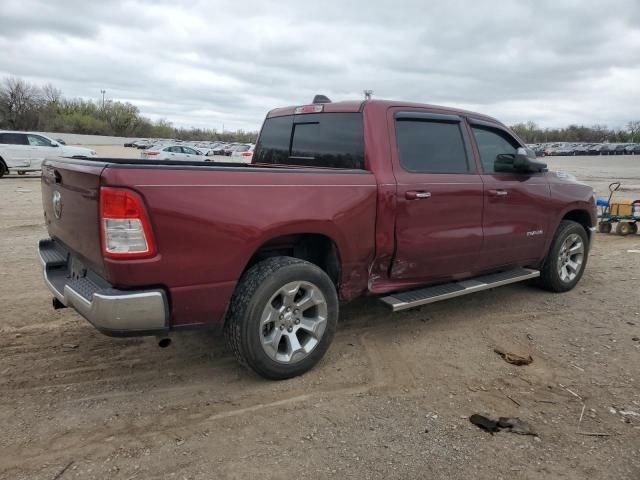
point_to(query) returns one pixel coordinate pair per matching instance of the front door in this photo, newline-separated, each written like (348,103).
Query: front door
(516,205)
(439,198)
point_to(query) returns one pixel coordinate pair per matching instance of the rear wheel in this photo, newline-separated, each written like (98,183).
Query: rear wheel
(625,228)
(3,168)
(604,227)
(282,317)
(567,258)
(21,172)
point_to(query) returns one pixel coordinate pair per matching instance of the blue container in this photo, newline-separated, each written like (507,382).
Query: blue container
(602,202)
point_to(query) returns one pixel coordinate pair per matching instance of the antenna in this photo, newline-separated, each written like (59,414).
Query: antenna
(368,94)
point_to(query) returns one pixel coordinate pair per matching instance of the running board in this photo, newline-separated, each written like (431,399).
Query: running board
(414,298)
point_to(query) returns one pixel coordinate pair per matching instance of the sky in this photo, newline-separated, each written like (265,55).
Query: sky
(214,63)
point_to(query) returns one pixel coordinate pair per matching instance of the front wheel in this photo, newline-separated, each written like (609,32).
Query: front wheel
(21,172)
(567,258)
(282,317)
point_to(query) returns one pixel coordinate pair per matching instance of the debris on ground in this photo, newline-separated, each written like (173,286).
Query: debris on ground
(513,358)
(511,424)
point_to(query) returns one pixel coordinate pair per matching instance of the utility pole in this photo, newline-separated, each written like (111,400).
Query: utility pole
(103,91)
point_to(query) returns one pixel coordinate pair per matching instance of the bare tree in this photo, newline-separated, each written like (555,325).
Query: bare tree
(19,103)
(633,127)
(51,94)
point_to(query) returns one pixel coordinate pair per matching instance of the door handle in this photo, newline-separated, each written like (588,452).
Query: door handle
(414,195)
(498,193)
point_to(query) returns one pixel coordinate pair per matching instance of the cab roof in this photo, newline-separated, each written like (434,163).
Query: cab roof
(360,105)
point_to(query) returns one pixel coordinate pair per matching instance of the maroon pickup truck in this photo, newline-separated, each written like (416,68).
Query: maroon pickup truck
(412,203)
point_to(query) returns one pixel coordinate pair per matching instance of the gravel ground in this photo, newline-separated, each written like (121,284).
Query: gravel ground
(390,400)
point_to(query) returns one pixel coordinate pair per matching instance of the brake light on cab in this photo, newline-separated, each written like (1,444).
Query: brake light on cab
(308,109)
(126,231)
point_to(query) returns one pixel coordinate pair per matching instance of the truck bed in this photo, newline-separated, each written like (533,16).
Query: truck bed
(208,220)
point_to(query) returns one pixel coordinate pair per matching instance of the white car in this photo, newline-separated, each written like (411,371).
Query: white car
(243,153)
(25,151)
(171,152)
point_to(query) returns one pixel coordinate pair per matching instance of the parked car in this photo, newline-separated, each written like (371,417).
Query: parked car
(581,149)
(595,149)
(445,203)
(228,150)
(171,152)
(633,149)
(130,143)
(620,149)
(24,151)
(564,150)
(143,143)
(219,150)
(245,152)
(61,141)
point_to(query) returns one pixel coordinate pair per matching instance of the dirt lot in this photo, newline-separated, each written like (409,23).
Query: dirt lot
(390,400)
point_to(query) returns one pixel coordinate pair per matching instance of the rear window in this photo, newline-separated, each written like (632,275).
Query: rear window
(333,140)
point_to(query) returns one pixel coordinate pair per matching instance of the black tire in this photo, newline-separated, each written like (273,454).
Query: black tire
(549,273)
(604,227)
(253,292)
(625,228)
(634,228)
(3,168)
(21,172)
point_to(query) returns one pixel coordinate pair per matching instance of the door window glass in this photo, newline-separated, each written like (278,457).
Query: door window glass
(38,141)
(497,150)
(427,146)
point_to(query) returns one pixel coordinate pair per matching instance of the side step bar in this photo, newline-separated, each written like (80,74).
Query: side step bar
(414,298)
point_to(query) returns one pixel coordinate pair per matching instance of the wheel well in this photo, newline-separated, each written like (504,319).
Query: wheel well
(580,216)
(312,247)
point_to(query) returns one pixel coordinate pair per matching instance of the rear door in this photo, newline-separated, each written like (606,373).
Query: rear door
(15,149)
(439,197)
(516,205)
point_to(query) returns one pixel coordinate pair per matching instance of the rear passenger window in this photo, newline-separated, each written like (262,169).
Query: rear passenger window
(427,146)
(332,140)
(13,139)
(497,150)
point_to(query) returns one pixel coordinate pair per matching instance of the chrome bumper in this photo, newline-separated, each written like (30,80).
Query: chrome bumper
(112,311)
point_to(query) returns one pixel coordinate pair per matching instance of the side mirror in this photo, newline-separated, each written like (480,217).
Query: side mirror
(525,161)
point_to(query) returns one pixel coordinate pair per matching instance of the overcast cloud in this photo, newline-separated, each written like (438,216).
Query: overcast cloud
(213,62)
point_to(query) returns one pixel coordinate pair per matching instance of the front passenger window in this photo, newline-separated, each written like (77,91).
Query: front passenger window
(497,150)
(38,141)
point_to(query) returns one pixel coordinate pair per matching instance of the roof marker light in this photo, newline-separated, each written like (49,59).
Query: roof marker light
(309,109)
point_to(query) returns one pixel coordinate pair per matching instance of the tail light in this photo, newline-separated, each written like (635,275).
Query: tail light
(126,231)
(149,154)
(247,154)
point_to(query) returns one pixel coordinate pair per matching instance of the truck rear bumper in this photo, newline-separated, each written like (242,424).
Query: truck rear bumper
(112,311)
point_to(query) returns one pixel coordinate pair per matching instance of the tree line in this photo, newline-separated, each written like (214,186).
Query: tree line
(532,133)
(25,106)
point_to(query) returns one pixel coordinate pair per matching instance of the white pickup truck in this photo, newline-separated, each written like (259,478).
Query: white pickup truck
(24,151)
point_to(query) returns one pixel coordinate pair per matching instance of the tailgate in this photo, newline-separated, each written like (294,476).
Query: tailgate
(70,199)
